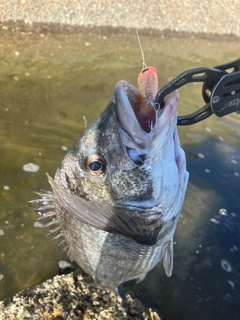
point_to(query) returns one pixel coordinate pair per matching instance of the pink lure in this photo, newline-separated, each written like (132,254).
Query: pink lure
(146,99)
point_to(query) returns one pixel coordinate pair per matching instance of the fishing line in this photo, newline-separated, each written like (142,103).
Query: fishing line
(138,37)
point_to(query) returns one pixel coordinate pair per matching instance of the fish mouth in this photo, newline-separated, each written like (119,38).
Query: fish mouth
(141,120)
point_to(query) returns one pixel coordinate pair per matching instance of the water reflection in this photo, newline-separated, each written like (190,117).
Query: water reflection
(201,288)
(47,83)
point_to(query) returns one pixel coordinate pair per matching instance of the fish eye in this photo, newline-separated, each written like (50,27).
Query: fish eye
(95,164)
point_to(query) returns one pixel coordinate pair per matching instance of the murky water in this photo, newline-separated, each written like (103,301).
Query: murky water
(47,83)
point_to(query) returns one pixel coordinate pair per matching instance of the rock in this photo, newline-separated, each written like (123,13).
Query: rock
(68,297)
(65,267)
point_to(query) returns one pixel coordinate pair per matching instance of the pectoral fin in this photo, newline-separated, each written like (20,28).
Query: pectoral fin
(168,258)
(108,217)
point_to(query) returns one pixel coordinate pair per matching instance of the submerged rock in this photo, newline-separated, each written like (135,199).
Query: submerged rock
(67,297)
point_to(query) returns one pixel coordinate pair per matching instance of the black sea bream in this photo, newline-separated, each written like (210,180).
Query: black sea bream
(117,194)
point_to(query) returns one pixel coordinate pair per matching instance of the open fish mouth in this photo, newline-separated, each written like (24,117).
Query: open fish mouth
(140,117)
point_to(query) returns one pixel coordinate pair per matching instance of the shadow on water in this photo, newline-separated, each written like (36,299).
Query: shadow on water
(47,83)
(200,288)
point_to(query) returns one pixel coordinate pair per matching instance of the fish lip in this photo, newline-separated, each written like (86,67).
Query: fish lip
(125,96)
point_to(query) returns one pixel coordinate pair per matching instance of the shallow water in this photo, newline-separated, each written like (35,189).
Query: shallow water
(47,83)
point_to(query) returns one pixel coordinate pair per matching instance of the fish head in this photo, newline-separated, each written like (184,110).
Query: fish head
(128,160)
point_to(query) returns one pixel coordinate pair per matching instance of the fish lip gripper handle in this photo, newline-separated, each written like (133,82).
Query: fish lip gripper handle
(220,91)
(225,97)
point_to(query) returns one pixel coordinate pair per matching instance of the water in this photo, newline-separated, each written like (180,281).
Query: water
(48,82)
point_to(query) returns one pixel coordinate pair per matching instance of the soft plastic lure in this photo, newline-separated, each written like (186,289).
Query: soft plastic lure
(148,88)
(148,85)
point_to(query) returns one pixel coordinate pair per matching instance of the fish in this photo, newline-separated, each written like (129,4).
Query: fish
(117,194)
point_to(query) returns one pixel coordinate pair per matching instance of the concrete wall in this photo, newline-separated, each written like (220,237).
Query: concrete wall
(208,16)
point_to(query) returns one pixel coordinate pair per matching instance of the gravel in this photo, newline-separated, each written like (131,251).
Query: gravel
(68,297)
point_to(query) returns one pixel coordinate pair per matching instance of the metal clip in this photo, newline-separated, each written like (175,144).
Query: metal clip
(221,91)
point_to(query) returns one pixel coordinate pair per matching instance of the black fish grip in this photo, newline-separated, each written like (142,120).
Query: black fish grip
(220,91)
